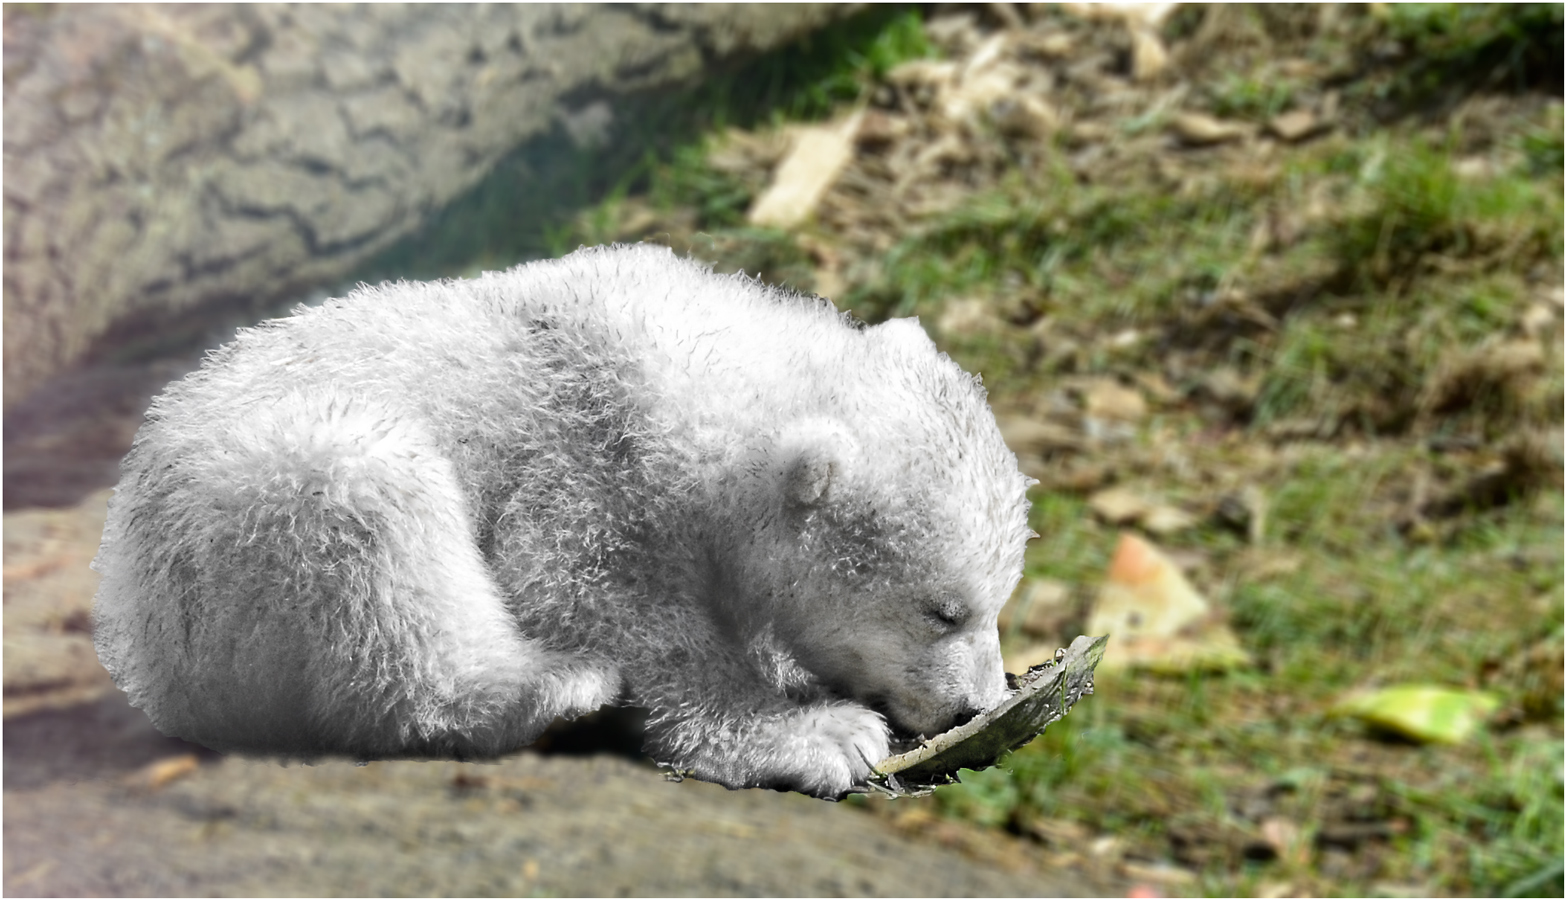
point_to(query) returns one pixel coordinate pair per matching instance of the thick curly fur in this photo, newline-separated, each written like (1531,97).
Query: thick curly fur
(430,518)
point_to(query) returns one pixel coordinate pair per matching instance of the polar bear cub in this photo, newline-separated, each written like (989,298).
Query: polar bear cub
(427,519)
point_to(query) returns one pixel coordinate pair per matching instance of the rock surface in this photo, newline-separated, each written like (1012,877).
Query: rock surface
(85,817)
(162,158)
(49,656)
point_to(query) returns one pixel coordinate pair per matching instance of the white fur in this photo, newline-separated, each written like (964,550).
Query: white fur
(428,519)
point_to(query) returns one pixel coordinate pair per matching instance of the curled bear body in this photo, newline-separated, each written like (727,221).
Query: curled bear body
(428,519)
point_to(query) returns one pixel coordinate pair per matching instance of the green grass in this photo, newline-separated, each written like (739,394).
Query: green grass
(1542,150)
(1125,254)
(1511,46)
(1069,552)
(1057,238)
(1258,99)
(1128,254)
(1421,208)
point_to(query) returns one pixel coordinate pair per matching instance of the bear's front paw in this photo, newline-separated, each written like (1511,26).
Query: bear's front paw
(825,750)
(830,750)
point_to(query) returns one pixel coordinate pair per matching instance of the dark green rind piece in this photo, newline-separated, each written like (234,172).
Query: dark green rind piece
(1043,695)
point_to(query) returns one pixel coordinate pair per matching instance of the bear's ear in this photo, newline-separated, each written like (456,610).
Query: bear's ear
(809,477)
(815,455)
(904,333)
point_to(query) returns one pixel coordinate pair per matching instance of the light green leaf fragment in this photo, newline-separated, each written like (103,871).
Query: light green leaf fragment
(1425,713)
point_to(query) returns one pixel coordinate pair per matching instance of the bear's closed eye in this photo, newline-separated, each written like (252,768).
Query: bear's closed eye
(949,613)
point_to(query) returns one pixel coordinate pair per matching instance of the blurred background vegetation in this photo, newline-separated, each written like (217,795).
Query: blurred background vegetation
(1321,249)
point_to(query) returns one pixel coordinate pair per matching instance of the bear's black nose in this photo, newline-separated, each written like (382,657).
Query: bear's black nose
(964,716)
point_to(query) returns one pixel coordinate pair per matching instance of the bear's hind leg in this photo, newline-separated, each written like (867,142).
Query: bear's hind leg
(332,598)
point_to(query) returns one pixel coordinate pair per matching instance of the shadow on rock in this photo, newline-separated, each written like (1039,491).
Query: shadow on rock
(100,741)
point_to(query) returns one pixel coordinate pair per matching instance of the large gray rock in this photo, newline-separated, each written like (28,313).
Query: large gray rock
(158,158)
(90,810)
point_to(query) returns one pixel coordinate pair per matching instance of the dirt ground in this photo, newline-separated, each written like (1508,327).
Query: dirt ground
(98,803)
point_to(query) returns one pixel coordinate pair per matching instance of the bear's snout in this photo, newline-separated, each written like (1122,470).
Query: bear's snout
(928,713)
(929,723)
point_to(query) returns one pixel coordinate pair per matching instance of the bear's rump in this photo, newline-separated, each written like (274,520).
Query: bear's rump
(314,579)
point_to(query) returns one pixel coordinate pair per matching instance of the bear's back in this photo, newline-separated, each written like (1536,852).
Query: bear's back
(684,341)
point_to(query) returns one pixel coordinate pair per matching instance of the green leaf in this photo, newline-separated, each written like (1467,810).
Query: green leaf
(1424,713)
